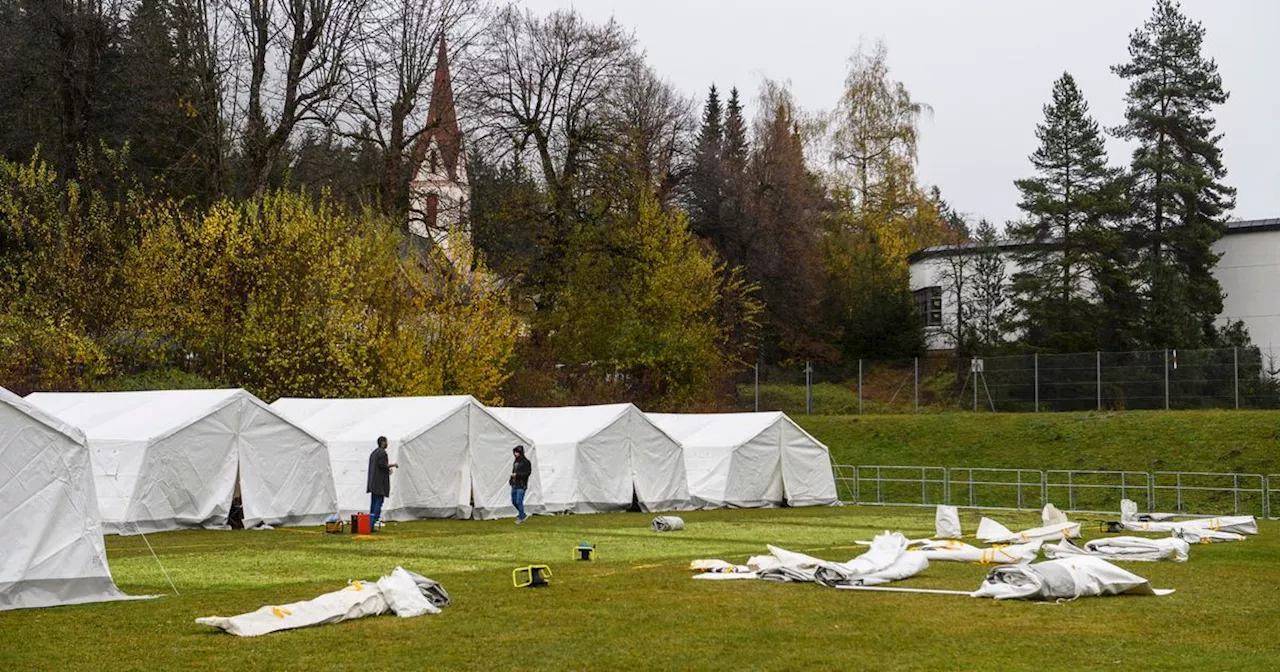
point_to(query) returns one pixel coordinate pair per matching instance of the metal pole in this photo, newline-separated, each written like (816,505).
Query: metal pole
(1235,355)
(1036,360)
(973,373)
(859,386)
(757,367)
(808,388)
(1166,379)
(1099,354)
(917,384)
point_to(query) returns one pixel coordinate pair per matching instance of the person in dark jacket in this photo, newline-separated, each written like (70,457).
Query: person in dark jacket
(380,468)
(520,471)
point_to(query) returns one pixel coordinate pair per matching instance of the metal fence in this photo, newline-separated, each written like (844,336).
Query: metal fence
(1191,493)
(1150,380)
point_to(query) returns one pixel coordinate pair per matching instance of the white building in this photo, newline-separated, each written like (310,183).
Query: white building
(439,192)
(1249,273)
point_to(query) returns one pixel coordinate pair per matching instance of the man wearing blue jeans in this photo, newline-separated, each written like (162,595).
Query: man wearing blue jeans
(520,471)
(379,488)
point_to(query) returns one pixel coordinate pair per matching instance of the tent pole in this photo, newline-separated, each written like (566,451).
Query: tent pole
(926,591)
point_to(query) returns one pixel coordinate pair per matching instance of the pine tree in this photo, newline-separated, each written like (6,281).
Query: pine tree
(707,181)
(1181,202)
(734,158)
(1067,203)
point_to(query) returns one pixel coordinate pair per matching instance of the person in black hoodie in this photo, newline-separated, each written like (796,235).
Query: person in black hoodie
(520,471)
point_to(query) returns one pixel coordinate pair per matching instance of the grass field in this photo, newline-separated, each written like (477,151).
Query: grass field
(636,607)
(1216,441)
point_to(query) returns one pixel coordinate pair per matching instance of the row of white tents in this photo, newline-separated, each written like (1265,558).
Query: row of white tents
(176,459)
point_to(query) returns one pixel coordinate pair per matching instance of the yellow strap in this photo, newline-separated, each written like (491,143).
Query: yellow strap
(281,612)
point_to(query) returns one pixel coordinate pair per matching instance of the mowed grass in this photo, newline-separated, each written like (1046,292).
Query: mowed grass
(636,606)
(1212,441)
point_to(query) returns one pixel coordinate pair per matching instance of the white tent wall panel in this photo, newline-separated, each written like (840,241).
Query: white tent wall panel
(657,466)
(284,471)
(432,480)
(49,524)
(491,460)
(807,475)
(188,478)
(604,480)
(755,472)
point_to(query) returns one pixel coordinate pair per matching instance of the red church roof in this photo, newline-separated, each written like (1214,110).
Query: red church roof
(442,120)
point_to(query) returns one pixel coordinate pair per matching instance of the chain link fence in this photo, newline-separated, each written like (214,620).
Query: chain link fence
(1139,380)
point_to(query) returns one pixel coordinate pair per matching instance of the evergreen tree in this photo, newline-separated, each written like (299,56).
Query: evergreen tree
(734,156)
(1073,193)
(1181,202)
(707,181)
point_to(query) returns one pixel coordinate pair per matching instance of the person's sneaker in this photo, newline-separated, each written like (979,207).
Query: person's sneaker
(519,521)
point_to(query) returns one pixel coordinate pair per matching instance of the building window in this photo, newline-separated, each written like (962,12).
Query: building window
(929,306)
(434,161)
(433,208)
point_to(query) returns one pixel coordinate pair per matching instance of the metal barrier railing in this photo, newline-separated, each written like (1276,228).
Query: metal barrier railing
(1012,485)
(1094,491)
(1273,489)
(1203,492)
(889,484)
(1186,492)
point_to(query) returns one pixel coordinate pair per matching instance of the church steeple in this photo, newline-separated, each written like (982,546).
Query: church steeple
(442,119)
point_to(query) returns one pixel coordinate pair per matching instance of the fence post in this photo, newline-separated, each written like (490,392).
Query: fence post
(1036,359)
(1099,356)
(1166,379)
(973,374)
(757,367)
(1235,377)
(859,386)
(917,384)
(808,388)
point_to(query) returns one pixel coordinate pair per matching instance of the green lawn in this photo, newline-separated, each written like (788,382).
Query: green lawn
(1215,441)
(636,607)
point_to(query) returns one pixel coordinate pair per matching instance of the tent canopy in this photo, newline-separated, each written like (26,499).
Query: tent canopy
(51,532)
(601,458)
(170,459)
(454,456)
(750,459)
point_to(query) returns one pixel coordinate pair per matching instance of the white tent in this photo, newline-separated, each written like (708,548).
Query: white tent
(596,458)
(171,459)
(49,524)
(750,459)
(454,455)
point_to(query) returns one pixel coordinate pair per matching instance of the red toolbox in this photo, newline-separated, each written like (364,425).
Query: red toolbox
(361,523)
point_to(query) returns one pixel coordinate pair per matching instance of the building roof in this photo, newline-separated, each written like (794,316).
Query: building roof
(442,120)
(1243,226)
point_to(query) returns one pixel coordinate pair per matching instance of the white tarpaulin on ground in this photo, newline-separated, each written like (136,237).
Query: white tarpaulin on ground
(396,593)
(946,522)
(1123,548)
(171,459)
(49,525)
(1066,579)
(887,560)
(992,532)
(750,460)
(1235,524)
(953,550)
(598,458)
(451,451)
(1192,535)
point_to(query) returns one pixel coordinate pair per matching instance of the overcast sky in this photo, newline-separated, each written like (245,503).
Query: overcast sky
(985,66)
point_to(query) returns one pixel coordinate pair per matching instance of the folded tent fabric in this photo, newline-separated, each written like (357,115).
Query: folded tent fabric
(952,550)
(1064,579)
(1050,515)
(1193,535)
(1236,524)
(1123,548)
(946,522)
(667,524)
(992,532)
(887,560)
(396,593)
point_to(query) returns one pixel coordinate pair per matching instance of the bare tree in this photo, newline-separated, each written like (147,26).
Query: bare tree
(394,63)
(541,90)
(652,127)
(293,60)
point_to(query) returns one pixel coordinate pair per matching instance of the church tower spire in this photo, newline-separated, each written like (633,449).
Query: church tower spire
(440,193)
